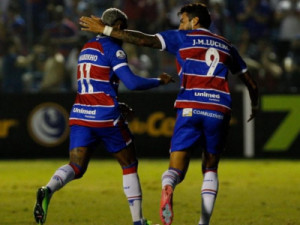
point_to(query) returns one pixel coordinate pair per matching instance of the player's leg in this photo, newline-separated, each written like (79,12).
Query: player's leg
(210,185)
(184,137)
(79,159)
(179,162)
(178,165)
(215,132)
(131,184)
(118,140)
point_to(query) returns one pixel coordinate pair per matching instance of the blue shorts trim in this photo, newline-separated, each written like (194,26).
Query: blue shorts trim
(114,138)
(203,128)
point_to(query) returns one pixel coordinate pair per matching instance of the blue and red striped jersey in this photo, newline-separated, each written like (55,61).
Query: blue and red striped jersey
(102,63)
(203,62)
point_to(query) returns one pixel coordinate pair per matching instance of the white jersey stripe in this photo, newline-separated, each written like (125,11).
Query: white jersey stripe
(119,66)
(162,41)
(206,89)
(207,103)
(106,106)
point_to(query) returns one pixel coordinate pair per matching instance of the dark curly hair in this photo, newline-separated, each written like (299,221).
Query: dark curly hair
(197,10)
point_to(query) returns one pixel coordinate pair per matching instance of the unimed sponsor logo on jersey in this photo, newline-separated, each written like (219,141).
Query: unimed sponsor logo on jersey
(208,95)
(84,111)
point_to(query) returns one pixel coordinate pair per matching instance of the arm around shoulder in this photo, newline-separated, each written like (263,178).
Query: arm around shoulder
(95,25)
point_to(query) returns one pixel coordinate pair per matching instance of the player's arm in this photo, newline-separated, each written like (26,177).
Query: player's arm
(134,82)
(95,25)
(253,92)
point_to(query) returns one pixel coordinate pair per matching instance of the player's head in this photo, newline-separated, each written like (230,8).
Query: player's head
(113,17)
(193,16)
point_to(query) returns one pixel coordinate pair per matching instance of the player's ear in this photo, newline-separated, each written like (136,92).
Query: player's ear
(195,21)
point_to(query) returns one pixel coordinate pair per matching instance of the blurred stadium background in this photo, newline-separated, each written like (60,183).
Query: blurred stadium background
(39,44)
(40,41)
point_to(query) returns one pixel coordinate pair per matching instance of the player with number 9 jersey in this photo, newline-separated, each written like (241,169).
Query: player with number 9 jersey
(203,63)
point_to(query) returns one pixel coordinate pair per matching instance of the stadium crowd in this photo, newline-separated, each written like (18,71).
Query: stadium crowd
(40,40)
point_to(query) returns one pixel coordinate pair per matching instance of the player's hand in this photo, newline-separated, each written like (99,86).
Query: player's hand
(166,78)
(254,104)
(93,24)
(254,111)
(126,111)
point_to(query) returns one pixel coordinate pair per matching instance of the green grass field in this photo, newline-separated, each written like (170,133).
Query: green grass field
(252,192)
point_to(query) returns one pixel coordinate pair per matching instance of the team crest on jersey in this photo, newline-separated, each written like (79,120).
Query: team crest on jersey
(187,112)
(120,54)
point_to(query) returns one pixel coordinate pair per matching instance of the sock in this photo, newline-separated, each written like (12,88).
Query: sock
(133,192)
(60,178)
(139,222)
(209,193)
(172,177)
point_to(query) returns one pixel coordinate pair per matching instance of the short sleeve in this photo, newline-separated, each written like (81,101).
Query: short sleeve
(116,55)
(237,65)
(171,40)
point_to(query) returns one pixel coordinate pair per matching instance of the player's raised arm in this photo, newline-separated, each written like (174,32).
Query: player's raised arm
(95,25)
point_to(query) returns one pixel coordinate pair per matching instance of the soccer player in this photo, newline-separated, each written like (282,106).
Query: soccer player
(203,104)
(96,116)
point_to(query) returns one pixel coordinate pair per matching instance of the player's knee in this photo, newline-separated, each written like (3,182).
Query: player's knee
(132,168)
(78,170)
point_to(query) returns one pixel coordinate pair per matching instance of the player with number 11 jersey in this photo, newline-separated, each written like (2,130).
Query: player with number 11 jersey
(101,64)
(97,117)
